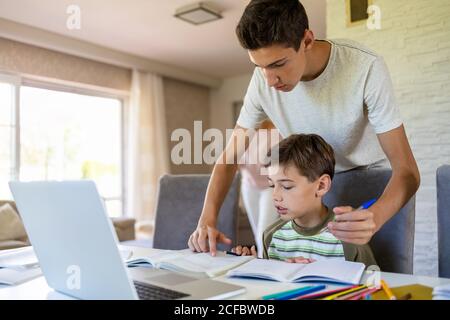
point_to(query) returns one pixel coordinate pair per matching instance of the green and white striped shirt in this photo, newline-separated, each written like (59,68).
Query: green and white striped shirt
(286,239)
(288,242)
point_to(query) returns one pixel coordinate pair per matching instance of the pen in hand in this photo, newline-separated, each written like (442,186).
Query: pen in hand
(232,253)
(366,205)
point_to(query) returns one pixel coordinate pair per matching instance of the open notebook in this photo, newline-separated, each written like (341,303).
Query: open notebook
(188,262)
(331,271)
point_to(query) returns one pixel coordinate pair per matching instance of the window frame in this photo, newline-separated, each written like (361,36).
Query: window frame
(19,80)
(15,82)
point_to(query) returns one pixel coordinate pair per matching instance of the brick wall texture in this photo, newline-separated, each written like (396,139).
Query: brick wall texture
(414,39)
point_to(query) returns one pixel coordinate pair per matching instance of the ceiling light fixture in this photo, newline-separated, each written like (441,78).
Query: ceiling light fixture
(198,13)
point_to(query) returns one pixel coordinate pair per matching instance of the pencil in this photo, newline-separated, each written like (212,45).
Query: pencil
(405,297)
(388,291)
(282,293)
(363,294)
(357,294)
(325,293)
(301,293)
(333,296)
(232,253)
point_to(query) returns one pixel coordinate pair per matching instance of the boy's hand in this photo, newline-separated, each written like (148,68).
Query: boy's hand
(300,260)
(244,251)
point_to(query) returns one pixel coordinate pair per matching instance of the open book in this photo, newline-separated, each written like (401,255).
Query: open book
(201,265)
(331,271)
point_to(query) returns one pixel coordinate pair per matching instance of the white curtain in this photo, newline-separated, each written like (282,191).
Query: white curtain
(147,151)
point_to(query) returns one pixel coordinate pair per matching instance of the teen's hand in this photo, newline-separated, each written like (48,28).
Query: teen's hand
(244,251)
(300,260)
(205,238)
(353,226)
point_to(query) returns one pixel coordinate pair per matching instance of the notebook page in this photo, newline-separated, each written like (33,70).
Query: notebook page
(268,269)
(343,271)
(157,257)
(166,255)
(205,263)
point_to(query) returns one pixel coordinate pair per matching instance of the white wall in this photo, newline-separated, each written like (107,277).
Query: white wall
(415,42)
(221,100)
(316,11)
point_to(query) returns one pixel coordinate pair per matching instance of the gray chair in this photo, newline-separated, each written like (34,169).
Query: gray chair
(179,205)
(443,215)
(393,244)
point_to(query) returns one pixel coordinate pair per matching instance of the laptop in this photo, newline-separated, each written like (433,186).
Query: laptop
(77,248)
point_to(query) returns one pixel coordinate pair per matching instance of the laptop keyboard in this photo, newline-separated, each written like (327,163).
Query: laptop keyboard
(147,291)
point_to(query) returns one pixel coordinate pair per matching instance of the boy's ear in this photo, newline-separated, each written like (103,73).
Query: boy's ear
(324,185)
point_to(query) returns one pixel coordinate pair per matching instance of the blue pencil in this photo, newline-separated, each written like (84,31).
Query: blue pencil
(284,295)
(275,295)
(299,294)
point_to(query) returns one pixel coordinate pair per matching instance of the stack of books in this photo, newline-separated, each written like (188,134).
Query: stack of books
(21,265)
(18,265)
(441,292)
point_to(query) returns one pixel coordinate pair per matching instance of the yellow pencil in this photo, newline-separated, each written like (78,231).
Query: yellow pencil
(343,293)
(388,290)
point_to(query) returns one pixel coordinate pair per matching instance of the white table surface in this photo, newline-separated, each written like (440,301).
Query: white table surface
(37,289)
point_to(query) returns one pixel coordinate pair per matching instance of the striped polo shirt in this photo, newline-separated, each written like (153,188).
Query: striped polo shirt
(289,240)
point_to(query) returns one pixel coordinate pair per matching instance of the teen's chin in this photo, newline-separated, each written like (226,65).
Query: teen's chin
(284,88)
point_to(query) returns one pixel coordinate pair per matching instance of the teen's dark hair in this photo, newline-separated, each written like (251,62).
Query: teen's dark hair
(309,153)
(268,22)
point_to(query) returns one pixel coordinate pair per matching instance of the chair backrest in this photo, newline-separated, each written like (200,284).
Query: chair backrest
(393,244)
(443,216)
(179,205)
(11,203)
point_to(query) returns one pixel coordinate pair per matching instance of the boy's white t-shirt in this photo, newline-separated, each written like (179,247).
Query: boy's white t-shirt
(350,102)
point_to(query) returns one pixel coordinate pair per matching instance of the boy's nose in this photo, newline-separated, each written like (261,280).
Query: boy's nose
(276,196)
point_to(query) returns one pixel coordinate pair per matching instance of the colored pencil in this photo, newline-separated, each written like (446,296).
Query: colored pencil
(334,296)
(302,293)
(364,294)
(388,291)
(325,293)
(353,294)
(275,295)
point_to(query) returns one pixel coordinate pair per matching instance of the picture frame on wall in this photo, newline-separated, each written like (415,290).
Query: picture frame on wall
(356,11)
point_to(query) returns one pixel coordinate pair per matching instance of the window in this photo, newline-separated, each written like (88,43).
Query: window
(7,134)
(63,136)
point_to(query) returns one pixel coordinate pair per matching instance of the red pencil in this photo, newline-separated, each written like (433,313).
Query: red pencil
(360,295)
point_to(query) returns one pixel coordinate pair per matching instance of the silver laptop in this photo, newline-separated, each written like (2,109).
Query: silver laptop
(76,246)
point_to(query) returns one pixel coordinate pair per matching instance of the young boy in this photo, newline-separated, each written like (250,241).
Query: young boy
(300,175)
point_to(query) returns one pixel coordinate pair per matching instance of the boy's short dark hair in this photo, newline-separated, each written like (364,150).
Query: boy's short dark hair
(309,153)
(268,22)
